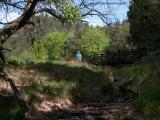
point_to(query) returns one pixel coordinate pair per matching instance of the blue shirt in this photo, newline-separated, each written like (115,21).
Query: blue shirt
(78,55)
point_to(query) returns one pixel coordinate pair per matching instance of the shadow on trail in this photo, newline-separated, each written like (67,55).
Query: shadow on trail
(8,107)
(91,92)
(93,111)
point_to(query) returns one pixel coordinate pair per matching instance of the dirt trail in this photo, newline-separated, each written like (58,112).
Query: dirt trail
(118,109)
(92,111)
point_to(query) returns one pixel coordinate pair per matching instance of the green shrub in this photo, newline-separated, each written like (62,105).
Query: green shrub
(25,57)
(145,81)
(51,47)
(94,40)
(39,50)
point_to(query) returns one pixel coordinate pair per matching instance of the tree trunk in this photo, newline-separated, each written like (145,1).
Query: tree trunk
(15,25)
(20,100)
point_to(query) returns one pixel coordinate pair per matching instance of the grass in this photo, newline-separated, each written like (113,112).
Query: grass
(146,82)
(84,83)
(60,81)
(79,82)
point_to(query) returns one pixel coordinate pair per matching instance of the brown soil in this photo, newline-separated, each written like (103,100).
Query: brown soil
(90,111)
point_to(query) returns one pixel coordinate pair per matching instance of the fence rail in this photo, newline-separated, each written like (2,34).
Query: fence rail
(114,57)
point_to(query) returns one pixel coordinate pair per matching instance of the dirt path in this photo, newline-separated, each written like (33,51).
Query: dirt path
(91,111)
(115,110)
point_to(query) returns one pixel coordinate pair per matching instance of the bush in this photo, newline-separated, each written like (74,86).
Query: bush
(25,57)
(94,40)
(51,47)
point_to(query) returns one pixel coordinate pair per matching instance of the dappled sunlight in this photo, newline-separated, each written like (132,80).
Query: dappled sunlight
(88,111)
(80,60)
(49,86)
(49,106)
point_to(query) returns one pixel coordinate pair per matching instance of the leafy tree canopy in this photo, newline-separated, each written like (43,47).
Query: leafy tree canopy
(94,40)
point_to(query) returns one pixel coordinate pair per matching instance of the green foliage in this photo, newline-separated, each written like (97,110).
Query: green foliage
(61,80)
(23,39)
(51,47)
(71,13)
(144,20)
(39,50)
(145,81)
(26,57)
(94,40)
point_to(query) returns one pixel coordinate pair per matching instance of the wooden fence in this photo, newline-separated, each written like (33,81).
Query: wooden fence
(114,57)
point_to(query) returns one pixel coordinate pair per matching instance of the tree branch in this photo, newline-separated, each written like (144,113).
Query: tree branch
(49,11)
(15,25)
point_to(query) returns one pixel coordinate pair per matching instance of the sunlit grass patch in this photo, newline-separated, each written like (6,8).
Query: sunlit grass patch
(63,80)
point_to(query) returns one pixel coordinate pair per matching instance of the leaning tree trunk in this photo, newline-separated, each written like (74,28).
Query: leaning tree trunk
(15,25)
(5,33)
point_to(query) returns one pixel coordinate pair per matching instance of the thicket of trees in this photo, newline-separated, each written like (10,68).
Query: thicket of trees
(57,44)
(79,36)
(24,39)
(144,22)
(119,34)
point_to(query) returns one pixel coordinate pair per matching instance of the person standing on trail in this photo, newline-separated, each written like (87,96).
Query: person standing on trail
(78,56)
